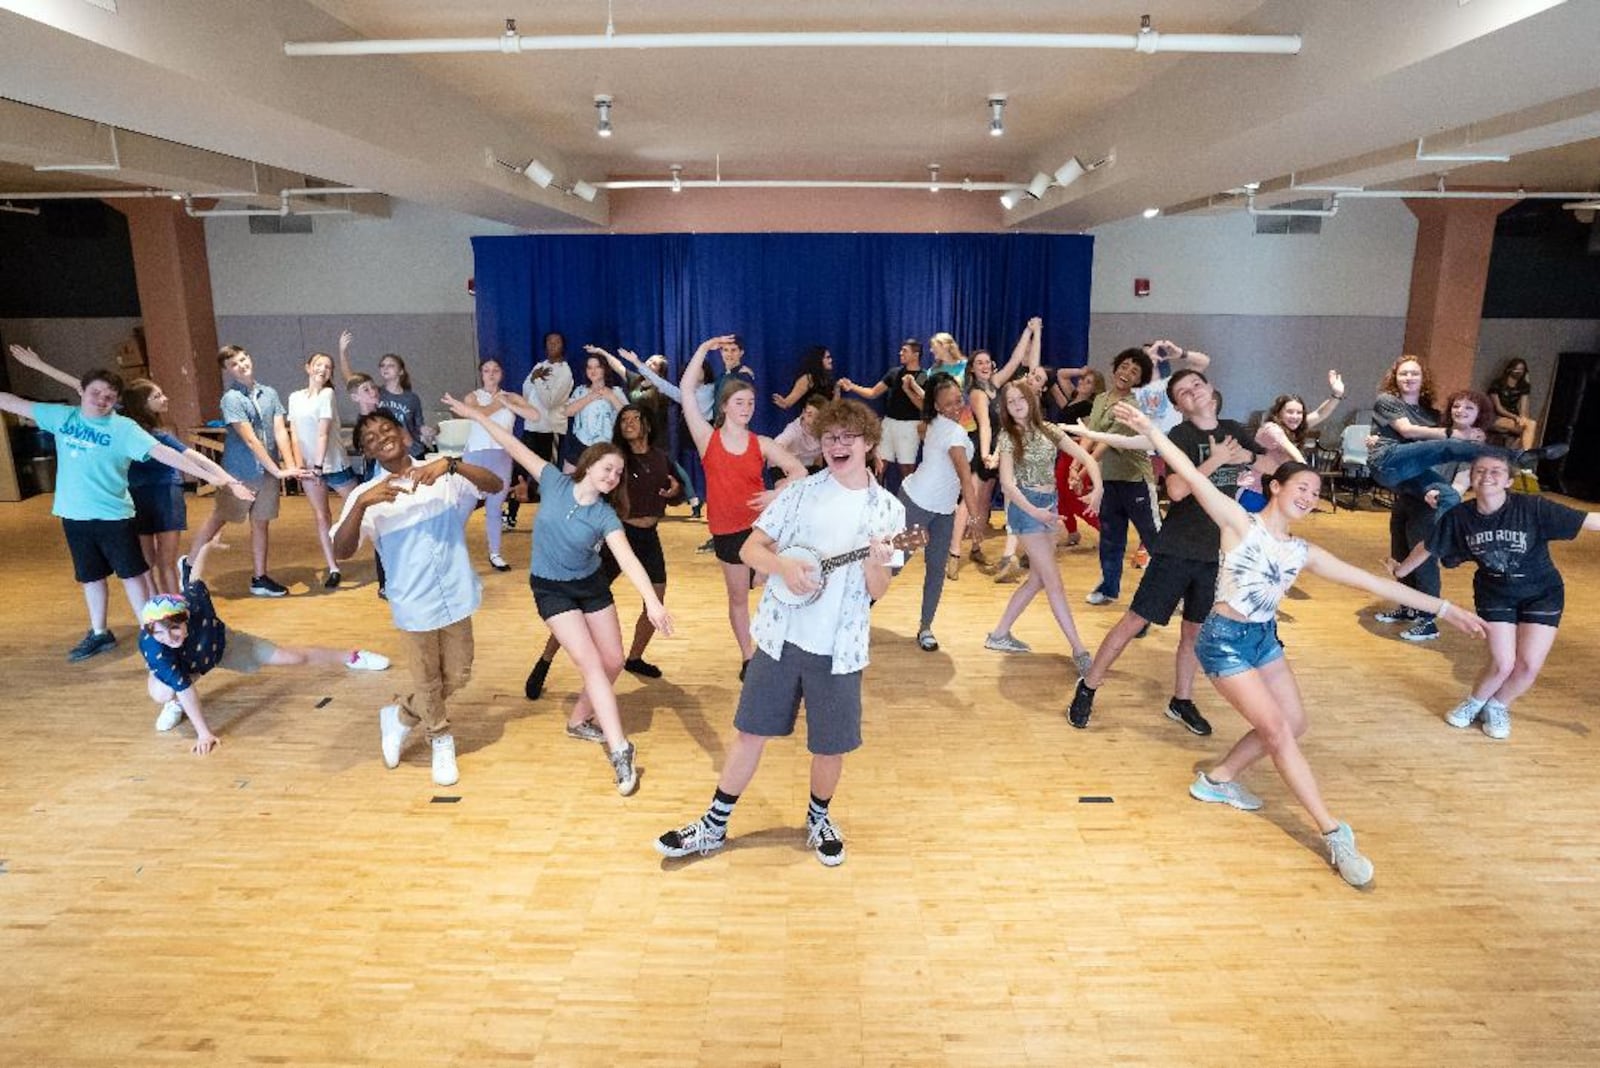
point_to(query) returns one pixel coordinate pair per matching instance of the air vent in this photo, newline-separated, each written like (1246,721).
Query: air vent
(1292,224)
(280,224)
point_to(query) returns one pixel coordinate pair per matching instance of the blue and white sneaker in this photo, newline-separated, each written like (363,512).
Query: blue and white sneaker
(1223,793)
(1354,868)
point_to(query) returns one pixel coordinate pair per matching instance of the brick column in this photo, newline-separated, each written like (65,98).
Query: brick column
(1448,273)
(180,325)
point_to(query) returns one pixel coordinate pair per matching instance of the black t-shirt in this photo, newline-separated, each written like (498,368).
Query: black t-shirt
(897,405)
(1388,408)
(1510,545)
(1187,532)
(1510,397)
(1077,411)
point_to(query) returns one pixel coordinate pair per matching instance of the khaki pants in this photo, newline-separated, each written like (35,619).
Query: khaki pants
(441,663)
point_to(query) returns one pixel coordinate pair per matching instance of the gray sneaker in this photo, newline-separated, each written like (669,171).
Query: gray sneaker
(1223,793)
(1354,868)
(1497,721)
(587,731)
(622,766)
(1464,715)
(1083,662)
(1005,643)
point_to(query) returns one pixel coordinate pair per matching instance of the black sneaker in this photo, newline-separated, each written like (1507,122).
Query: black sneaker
(1423,630)
(1082,706)
(264,586)
(640,666)
(825,838)
(1531,457)
(707,546)
(1397,614)
(535,684)
(91,645)
(1183,710)
(332,581)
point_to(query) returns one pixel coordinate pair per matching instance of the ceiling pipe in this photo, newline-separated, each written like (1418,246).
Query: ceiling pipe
(1456,194)
(804,183)
(1145,42)
(16,210)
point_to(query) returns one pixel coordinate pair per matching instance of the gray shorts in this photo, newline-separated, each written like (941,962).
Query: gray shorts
(245,653)
(769,704)
(265,506)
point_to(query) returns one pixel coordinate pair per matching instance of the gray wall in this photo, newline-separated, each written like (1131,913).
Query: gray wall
(74,345)
(439,350)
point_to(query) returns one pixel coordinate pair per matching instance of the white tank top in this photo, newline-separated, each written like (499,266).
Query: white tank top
(1255,574)
(477,437)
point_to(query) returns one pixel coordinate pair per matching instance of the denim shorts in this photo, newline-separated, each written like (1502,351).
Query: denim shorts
(1020,522)
(1228,647)
(335,480)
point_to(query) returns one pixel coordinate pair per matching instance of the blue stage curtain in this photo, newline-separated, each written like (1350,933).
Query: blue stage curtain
(858,294)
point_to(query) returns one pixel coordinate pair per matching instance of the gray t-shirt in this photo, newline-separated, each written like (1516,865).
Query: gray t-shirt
(567,535)
(1385,410)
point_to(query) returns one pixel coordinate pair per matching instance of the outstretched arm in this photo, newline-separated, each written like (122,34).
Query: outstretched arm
(790,399)
(531,461)
(622,552)
(1325,565)
(1224,511)
(1026,349)
(193,463)
(34,362)
(648,373)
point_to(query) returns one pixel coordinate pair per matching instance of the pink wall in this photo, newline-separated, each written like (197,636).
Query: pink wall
(641,211)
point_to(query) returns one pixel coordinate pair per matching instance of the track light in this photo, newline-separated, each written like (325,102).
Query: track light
(677,177)
(584,191)
(602,104)
(933,177)
(1012,197)
(997,115)
(1039,185)
(1069,172)
(1151,213)
(539,174)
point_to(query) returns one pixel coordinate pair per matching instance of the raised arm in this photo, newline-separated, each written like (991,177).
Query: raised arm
(648,373)
(699,427)
(1223,509)
(1026,350)
(34,362)
(615,364)
(346,338)
(1335,395)
(10,402)
(531,461)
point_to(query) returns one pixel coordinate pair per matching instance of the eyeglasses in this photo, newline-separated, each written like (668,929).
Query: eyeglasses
(841,438)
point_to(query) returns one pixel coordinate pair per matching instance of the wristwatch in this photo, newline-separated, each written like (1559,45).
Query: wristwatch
(451,464)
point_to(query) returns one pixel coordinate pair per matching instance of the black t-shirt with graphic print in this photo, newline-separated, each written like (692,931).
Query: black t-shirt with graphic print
(1510,545)
(1187,532)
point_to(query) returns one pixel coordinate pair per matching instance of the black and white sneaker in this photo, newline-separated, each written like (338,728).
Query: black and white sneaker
(1183,711)
(1082,706)
(1397,614)
(698,837)
(825,838)
(1423,630)
(266,586)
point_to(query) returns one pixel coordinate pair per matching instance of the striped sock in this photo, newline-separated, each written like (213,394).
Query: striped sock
(817,811)
(716,816)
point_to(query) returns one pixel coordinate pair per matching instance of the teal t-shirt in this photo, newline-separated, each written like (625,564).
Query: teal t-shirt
(566,534)
(92,458)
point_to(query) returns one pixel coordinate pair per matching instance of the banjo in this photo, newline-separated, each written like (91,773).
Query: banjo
(910,539)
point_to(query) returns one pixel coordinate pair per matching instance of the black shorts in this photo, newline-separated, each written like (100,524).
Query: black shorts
(646,545)
(589,594)
(158,509)
(727,546)
(1519,602)
(1170,579)
(102,547)
(980,470)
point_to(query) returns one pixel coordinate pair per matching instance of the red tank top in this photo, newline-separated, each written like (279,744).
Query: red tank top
(731,480)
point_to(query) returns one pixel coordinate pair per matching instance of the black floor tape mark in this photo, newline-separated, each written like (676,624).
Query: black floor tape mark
(324,703)
(439,800)
(1096,800)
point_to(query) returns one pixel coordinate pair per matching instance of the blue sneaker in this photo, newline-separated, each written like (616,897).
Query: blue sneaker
(1223,793)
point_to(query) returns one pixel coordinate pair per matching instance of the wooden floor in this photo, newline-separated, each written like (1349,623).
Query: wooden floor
(289,901)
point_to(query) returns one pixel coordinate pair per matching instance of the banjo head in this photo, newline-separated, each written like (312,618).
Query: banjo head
(784,595)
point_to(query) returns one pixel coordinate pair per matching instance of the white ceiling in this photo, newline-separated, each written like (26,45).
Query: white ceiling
(1373,76)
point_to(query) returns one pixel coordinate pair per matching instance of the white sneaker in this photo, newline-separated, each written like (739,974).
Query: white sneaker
(444,761)
(394,734)
(1497,721)
(171,715)
(365,660)
(1354,868)
(1465,714)
(622,767)
(498,562)
(1095,597)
